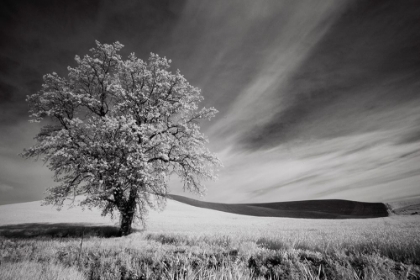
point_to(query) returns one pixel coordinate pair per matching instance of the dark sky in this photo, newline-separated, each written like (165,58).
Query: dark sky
(317,99)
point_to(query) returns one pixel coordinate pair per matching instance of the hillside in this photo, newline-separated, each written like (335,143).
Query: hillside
(405,207)
(309,209)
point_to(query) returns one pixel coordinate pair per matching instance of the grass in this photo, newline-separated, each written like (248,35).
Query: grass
(194,243)
(146,255)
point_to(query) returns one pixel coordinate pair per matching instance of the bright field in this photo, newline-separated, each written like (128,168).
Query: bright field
(185,242)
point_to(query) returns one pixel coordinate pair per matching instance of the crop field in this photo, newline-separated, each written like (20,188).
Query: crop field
(186,242)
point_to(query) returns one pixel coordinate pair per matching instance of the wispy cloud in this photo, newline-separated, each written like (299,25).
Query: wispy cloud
(5,187)
(299,30)
(364,167)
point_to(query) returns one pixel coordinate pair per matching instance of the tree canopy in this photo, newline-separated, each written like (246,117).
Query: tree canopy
(117,129)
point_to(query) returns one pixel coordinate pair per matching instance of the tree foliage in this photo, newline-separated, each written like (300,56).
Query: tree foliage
(117,129)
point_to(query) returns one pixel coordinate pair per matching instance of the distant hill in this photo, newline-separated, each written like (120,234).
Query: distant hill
(308,209)
(405,207)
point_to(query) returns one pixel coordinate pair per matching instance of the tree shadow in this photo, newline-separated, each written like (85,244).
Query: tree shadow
(58,230)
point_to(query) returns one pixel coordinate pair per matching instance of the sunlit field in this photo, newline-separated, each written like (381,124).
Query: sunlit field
(185,242)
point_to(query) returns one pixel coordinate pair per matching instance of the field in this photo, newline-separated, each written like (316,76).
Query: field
(310,209)
(186,242)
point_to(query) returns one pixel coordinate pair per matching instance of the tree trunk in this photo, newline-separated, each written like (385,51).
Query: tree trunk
(126,223)
(127,213)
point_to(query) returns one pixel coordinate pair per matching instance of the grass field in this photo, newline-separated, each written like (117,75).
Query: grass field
(186,242)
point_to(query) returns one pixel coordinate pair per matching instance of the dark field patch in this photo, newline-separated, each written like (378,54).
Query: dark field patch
(308,209)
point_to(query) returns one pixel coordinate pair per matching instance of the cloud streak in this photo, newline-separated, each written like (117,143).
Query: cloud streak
(299,29)
(364,167)
(5,187)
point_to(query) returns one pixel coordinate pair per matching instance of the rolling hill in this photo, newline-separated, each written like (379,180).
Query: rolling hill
(405,207)
(308,209)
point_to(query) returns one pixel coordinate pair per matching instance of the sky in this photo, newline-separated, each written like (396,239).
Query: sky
(316,99)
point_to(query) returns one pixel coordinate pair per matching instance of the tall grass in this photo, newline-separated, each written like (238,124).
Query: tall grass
(40,271)
(331,253)
(194,243)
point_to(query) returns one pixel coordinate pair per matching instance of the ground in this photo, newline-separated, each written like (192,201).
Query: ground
(186,242)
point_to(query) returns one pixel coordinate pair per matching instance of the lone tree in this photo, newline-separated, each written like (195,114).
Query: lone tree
(117,129)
